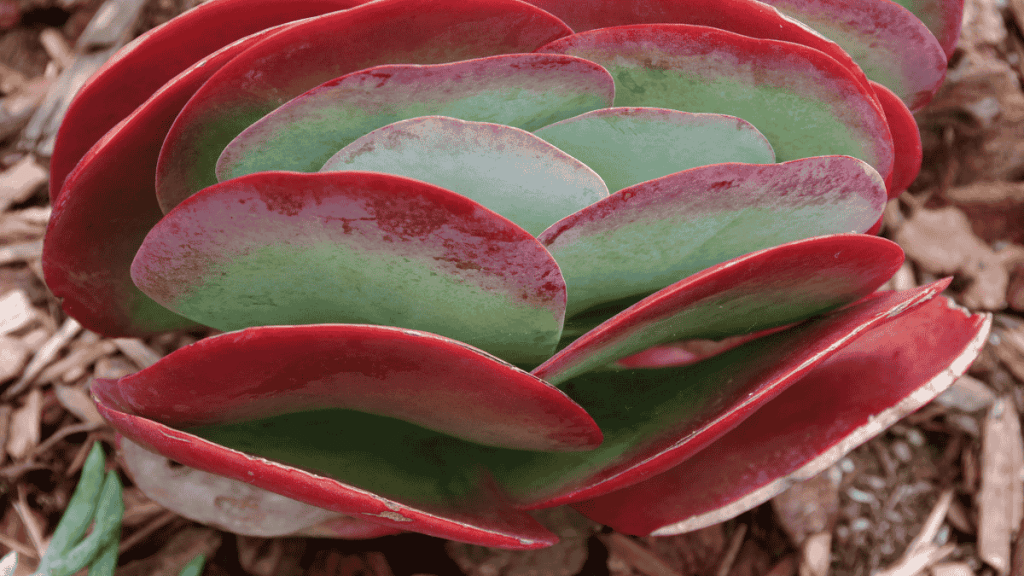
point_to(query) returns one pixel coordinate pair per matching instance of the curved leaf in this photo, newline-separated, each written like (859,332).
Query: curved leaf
(804,102)
(312,52)
(264,372)
(522,90)
(889,43)
(508,170)
(627,146)
(355,247)
(890,371)
(654,419)
(646,237)
(773,287)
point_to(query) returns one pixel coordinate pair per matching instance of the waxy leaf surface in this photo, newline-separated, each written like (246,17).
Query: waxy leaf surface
(312,52)
(369,467)
(889,43)
(772,287)
(942,17)
(132,75)
(437,383)
(627,146)
(355,247)
(646,237)
(890,371)
(508,170)
(804,102)
(110,206)
(654,419)
(527,91)
(747,17)
(906,138)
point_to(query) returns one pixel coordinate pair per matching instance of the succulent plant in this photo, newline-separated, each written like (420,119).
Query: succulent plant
(469,255)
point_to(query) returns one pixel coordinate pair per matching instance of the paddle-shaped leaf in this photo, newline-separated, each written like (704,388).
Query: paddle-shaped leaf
(355,247)
(654,419)
(646,237)
(627,146)
(773,287)
(264,372)
(508,170)
(890,371)
(526,91)
(889,43)
(323,48)
(804,102)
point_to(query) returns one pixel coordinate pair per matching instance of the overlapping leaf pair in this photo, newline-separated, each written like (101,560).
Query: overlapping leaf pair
(463,246)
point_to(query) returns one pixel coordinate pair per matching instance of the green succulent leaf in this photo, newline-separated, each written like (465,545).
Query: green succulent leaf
(646,237)
(627,146)
(508,170)
(804,102)
(279,248)
(766,289)
(526,91)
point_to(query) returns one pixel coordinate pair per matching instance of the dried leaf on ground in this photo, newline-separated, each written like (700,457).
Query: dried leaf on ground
(941,242)
(1000,500)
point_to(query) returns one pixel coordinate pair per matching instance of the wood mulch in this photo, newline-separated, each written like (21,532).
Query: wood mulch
(939,494)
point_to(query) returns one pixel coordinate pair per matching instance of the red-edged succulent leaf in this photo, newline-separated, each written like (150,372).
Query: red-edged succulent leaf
(769,288)
(371,468)
(527,91)
(746,17)
(233,505)
(434,382)
(654,419)
(942,17)
(506,169)
(108,206)
(355,247)
(905,136)
(646,237)
(140,68)
(804,102)
(310,53)
(889,43)
(890,371)
(627,146)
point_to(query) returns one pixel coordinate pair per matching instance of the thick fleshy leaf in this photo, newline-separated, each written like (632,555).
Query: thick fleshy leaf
(746,17)
(108,206)
(889,43)
(654,419)
(355,247)
(890,371)
(804,102)
(371,468)
(235,506)
(508,170)
(527,91)
(330,46)
(942,17)
(627,146)
(772,287)
(434,382)
(140,68)
(905,136)
(646,237)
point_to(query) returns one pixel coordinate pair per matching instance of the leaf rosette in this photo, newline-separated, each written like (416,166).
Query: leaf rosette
(461,252)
